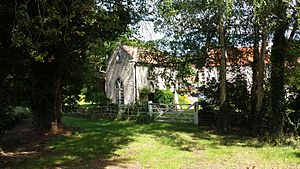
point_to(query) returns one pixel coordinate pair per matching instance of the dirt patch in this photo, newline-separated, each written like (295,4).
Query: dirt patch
(114,163)
(24,142)
(125,165)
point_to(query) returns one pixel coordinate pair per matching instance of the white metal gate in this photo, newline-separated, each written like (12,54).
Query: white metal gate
(182,113)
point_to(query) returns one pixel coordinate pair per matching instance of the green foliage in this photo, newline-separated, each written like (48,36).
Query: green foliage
(138,117)
(97,97)
(292,113)
(185,71)
(144,118)
(50,48)
(183,91)
(11,118)
(183,99)
(163,96)
(211,91)
(238,99)
(278,56)
(137,112)
(292,76)
(239,103)
(293,69)
(238,93)
(144,92)
(70,101)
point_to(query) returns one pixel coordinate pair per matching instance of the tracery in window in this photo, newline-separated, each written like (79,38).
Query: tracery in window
(118,57)
(152,87)
(119,88)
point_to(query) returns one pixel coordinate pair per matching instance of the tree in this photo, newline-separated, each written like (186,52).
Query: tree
(14,81)
(54,37)
(224,14)
(261,14)
(278,58)
(204,28)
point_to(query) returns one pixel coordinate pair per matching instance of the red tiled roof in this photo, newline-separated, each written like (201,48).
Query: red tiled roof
(236,56)
(239,56)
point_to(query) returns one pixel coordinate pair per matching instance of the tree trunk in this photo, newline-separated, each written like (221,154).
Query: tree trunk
(40,97)
(57,100)
(260,80)
(46,96)
(255,122)
(222,76)
(277,72)
(257,91)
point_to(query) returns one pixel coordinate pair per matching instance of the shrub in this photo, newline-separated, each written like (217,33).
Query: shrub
(182,91)
(163,96)
(11,118)
(144,118)
(70,102)
(183,99)
(144,92)
(97,97)
(238,100)
(135,112)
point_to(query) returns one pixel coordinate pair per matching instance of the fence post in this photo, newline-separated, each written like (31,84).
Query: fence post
(150,109)
(196,118)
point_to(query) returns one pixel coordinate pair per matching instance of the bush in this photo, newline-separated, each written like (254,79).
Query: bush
(97,97)
(238,100)
(183,99)
(136,112)
(70,102)
(144,118)
(182,91)
(143,95)
(163,96)
(11,118)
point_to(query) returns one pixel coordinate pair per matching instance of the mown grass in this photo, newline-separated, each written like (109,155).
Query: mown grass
(99,144)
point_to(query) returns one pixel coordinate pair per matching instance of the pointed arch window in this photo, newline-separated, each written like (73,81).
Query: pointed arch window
(152,87)
(118,57)
(119,88)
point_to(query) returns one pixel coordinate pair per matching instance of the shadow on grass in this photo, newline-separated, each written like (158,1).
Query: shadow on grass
(297,154)
(96,141)
(201,137)
(169,134)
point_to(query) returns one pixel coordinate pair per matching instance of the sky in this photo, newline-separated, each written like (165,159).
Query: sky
(146,32)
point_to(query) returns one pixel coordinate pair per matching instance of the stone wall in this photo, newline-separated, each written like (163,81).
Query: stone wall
(123,64)
(122,68)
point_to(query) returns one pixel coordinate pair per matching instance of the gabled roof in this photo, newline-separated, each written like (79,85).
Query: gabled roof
(133,52)
(143,55)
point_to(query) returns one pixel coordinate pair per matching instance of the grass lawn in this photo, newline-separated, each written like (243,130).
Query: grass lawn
(106,144)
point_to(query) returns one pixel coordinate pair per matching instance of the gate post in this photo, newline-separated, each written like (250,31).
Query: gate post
(150,109)
(196,118)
